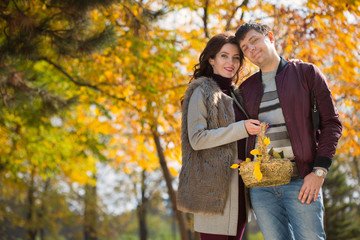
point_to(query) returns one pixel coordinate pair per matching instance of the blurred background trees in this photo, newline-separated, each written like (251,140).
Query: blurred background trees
(90,109)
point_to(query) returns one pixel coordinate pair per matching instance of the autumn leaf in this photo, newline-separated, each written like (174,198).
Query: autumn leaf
(257,173)
(271,151)
(234,166)
(255,152)
(276,155)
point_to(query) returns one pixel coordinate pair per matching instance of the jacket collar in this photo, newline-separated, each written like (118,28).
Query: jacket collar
(281,66)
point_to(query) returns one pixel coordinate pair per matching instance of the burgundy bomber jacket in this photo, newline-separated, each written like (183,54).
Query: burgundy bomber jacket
(293,89)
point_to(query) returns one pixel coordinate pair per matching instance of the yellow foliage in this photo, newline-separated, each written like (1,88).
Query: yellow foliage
(348,103)
(109,74)
(142,163)
(173,171)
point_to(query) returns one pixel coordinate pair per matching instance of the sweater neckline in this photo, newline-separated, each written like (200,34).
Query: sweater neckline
(223,82)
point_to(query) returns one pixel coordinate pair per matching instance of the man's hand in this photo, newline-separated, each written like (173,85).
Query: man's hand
(311,187)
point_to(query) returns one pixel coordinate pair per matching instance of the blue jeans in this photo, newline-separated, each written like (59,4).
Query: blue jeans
(282,216)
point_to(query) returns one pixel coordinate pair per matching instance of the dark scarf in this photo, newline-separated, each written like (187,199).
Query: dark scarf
(223,82)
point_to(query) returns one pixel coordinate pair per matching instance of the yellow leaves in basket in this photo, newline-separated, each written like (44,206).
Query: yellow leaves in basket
(257,173)
(276,155)
(267,141)
(255,152)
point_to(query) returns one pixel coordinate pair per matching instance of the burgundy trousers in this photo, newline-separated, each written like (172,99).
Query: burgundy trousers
(241,220)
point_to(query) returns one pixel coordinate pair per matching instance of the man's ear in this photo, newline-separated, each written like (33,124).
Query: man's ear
(271,37)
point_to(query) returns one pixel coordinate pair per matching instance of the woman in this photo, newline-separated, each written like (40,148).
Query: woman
(213,126)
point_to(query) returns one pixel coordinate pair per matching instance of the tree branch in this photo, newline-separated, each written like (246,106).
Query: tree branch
(88,85)
(83,84)
(138,21)
(3,96)
(174,87)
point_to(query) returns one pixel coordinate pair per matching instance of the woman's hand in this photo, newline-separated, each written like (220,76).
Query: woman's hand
(252,126)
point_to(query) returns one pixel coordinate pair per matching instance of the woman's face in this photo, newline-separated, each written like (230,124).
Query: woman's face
(227,61)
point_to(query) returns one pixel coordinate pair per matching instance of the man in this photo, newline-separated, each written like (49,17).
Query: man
(279,94)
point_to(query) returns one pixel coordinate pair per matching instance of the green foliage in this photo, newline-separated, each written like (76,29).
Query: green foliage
(341,209)
(63,25)
(160,227)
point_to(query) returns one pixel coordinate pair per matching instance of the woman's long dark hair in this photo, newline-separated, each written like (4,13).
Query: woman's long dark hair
(203,68)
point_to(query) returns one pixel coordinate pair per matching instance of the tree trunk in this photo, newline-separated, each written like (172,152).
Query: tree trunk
(196,236)
(42,214)
(205,18)
(173,226)
(357,168)
(90,213)
(232,15)
(168,179)
(142,209)
(31,230)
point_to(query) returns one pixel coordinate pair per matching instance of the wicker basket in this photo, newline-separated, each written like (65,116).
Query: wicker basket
(275,171)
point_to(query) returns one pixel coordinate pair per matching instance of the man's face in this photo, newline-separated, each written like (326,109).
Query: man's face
(259,49)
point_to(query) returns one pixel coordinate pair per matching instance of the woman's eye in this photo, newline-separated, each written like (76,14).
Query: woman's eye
(223,55)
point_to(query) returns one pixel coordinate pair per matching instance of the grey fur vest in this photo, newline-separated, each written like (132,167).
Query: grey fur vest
(205,174)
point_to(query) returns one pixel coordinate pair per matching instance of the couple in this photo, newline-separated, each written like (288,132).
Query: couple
(219,126)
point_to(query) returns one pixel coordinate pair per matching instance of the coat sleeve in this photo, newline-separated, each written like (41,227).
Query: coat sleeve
(330,126)
(202,138)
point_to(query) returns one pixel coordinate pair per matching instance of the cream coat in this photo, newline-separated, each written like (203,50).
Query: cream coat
(205,138)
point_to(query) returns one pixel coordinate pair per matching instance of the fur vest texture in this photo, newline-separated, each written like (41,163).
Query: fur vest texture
(205,174)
